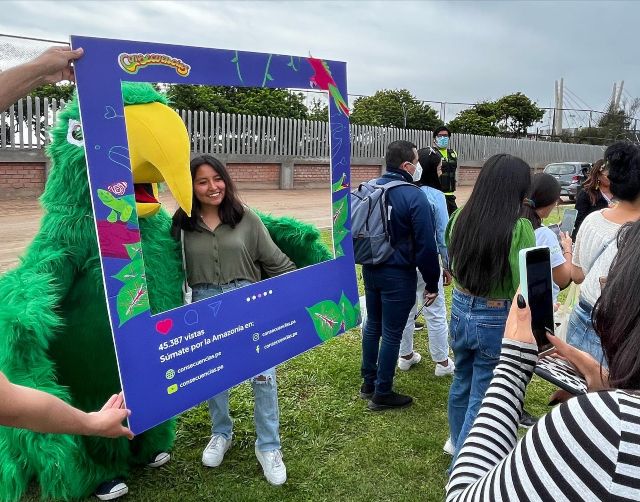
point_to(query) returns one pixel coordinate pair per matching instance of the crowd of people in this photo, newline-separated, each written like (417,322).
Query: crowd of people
(586,448)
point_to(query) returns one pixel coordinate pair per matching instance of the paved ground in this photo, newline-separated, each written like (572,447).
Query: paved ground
(20,218)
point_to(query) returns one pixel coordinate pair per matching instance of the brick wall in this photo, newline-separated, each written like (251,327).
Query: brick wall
(467,176)
(363,173)
(24,179)
(255,175)
(310,175)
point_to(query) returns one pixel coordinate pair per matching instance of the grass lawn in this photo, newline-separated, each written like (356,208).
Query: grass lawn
(333,447)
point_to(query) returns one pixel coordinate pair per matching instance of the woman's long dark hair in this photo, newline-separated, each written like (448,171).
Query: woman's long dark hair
(590,185)
(429,160)
(545,190)
(616,314)
(230,210)
(481,236)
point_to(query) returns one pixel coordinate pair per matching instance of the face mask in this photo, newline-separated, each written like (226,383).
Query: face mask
(442,141)
(417,174)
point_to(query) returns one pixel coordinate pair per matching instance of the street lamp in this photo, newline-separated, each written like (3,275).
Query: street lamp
(404,113)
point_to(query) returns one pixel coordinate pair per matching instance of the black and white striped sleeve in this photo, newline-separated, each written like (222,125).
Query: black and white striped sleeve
(572,453)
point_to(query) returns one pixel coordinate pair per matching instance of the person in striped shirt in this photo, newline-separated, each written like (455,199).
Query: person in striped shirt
(588,448)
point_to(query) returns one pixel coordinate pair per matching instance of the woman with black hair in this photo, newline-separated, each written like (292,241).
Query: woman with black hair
(544,196)
(593,253)
(484,239)
(436,313)
(588,448)
(595,194)
(226,246)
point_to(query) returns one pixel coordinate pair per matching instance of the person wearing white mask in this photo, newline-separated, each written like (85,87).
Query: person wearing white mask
(449,176)
(390,286)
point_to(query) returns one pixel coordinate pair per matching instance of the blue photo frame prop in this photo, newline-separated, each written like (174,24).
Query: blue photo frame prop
(214,344)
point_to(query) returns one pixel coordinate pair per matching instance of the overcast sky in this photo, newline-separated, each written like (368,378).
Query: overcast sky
(440,51)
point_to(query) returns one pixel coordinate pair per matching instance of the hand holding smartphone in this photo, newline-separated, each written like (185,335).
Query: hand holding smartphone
(536,285)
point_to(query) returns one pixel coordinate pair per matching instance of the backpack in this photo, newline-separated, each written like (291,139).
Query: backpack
(370,222)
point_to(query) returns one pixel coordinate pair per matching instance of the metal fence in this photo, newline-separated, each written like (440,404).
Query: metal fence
(24,126)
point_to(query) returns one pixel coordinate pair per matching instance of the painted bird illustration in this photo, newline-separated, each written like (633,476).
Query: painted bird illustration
(322,79)
(54,329)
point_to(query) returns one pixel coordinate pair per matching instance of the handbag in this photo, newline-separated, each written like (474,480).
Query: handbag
(187,292)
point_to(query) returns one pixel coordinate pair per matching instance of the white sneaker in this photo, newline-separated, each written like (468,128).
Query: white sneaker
(405,364)
(445,370)
(448,447)
(272,466)
(214,452)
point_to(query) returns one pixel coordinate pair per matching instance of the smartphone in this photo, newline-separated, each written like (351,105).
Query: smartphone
(568,220)
(536,285)
(562,374)
(555,228)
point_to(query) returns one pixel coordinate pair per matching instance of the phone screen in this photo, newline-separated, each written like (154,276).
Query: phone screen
(568,220)
(540,295)
(555,228)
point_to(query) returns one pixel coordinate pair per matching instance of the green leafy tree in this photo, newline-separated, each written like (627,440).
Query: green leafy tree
(247,100)
(318,110)
(394,108)
(480,119)
(515,113)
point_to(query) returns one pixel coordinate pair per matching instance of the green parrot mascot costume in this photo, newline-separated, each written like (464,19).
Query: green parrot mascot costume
(54,329)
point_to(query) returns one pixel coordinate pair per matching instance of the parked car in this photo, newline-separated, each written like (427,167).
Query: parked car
(571,175)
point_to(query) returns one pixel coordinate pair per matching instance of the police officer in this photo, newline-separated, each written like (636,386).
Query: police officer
(448,178)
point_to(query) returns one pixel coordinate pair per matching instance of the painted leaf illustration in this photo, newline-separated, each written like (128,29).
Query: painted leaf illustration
(340,211)
(339,234)
(134,250)
(269,77)
(327,319)
(356,307)
(341,184)
(132,270)
(349,313)
(132,300)
(339,251)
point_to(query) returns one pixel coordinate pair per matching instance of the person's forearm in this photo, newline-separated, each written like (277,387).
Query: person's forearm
(494,432)
(41,412)
(17,82)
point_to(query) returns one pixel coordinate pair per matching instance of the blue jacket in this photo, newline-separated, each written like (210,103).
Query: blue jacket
(411,228)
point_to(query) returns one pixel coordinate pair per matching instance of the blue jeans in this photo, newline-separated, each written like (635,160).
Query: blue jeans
(476,330)
(266,413)
(580,333)
(390,294)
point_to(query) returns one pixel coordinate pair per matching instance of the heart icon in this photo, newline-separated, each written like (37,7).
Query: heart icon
(163,327)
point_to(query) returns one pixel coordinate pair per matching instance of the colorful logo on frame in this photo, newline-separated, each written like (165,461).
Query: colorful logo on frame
(191,352)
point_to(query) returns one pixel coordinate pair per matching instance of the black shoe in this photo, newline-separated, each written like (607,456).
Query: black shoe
(389,401)
(366,390)
(526,420)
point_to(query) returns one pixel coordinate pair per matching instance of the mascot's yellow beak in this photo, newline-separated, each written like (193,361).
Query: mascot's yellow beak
(159,150)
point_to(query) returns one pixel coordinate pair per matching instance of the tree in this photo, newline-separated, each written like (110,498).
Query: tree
(394,108)
(246,100)
(318,110)
(510,115)
(516,113)
(480,119)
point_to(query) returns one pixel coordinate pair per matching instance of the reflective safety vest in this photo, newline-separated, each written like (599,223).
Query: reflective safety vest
(449,167)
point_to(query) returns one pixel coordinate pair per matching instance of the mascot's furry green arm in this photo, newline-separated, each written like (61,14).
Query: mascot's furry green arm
(54,329)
